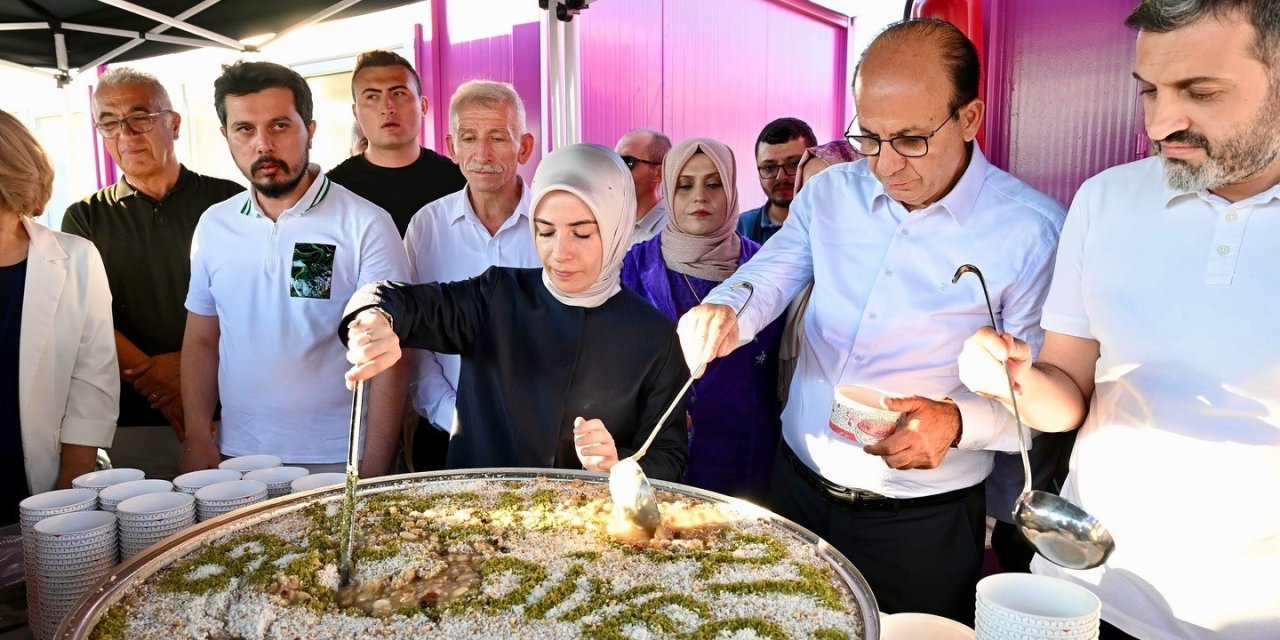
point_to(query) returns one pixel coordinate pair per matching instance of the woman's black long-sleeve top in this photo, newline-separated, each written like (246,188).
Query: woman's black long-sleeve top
(531,364)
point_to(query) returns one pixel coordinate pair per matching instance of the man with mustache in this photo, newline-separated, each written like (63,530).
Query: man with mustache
(778,150)
(643,151)
(270,272)
(392,170)
(142,226)
(464,233)
(1160,336)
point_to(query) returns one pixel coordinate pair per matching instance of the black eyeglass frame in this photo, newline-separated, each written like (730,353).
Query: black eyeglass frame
(856,141)
(109,129)
(631,162)
(771,172)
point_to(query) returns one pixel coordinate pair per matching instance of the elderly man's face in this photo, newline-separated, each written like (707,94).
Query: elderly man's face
(488,148)
(1211,114)
(647,173)
(907,93)
(137,154)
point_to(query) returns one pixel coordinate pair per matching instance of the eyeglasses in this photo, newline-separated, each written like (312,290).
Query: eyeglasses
(137,123)
(770,171)
(632,161)
(905,146)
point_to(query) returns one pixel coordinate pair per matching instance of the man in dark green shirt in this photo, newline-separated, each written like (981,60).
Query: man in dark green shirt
(142,226)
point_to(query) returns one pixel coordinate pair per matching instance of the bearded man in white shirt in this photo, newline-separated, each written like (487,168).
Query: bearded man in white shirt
(461,235)
(882,238)
(1160,337)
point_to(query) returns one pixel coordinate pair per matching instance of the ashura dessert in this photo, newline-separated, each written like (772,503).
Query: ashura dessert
(479,559)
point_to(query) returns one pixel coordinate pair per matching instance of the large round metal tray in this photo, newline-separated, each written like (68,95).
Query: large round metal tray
(85,614)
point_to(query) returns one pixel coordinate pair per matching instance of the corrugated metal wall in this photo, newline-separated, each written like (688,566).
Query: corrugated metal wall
(717,68)
(1062,105)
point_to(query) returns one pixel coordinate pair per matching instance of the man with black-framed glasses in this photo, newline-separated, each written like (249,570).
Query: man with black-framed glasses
(881,238)
(143,225)
(778,150)
(643,150)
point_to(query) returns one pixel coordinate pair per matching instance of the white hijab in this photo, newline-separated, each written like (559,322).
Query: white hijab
(597,176)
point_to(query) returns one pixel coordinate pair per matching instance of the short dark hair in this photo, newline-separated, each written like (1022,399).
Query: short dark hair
(383,58)
(785,130)
(1163,16)
(958,54)
(243,78)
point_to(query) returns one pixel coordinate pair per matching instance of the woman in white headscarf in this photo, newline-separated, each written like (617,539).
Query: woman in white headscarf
(734,413)
(561,367)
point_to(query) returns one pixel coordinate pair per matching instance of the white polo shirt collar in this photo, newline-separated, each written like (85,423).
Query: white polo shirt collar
(311,198)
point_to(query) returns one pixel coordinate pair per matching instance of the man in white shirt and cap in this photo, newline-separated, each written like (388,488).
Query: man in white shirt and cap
(881,239)
(1161,341)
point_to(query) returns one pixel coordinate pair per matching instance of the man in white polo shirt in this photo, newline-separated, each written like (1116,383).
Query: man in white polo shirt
(460,235)
(1162,338)
(270,272)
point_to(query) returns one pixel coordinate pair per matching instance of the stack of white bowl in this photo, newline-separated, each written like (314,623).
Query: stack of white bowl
(113,495)
(277,479)
(223,497)
(317,480)
(73,552)
(197,480)
(245,464)
(1031,607)
(33,510)
(150,518)
(99,480)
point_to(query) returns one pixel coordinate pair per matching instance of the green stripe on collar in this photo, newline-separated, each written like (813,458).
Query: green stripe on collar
(320,194)
(247,209)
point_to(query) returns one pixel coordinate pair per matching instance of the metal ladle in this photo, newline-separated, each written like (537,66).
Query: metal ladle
(347,517)
(632,494)
(1063,533)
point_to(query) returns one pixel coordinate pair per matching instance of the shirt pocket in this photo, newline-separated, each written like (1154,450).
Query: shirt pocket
(311,270)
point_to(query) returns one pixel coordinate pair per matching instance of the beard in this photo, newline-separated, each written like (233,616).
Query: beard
(283,182)
(781,203)
(1240,155)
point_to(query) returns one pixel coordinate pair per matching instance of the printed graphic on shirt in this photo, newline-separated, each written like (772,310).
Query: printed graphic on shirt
(312,273)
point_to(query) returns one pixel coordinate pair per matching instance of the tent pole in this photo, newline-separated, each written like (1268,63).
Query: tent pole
(175,23)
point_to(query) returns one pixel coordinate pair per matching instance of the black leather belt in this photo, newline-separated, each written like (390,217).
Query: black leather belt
(868,500)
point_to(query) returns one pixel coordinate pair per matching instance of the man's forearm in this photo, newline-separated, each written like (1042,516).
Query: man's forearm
(76,460)
(199,386)
(1049,400)
(386,417)
(129,354)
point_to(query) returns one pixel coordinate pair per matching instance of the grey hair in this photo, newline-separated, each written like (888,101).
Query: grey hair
(659,143)
(126,75)
(1163,16)
(488,94)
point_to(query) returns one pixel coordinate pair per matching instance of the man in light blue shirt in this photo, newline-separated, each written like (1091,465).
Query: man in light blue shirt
(882,238)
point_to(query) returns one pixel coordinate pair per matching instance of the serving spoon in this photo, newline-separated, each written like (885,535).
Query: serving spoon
(347,518)
(1058,530)
(633,497)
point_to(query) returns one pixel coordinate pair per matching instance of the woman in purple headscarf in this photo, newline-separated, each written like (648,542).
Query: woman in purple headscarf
(734,413)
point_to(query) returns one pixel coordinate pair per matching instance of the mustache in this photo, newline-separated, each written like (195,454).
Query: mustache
(483,167)
(265,160)
(1187,136)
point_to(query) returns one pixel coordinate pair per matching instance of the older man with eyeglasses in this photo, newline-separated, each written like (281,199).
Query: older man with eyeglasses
(142,225)
(881,239)
(643,150)
(779,147)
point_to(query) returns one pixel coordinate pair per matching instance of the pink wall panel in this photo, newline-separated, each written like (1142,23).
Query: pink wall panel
(621,62)
(690,72)
(1062,104)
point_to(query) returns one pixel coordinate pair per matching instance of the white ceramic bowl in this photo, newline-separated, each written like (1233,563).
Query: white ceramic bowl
(1028,603)
(77,525)
(856,414)
(52,503)
(99,480)
(118,493)
(195,480)
(275,477)
(245,464)
(229,492)
(154,506)
(917,626)
(317,480)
